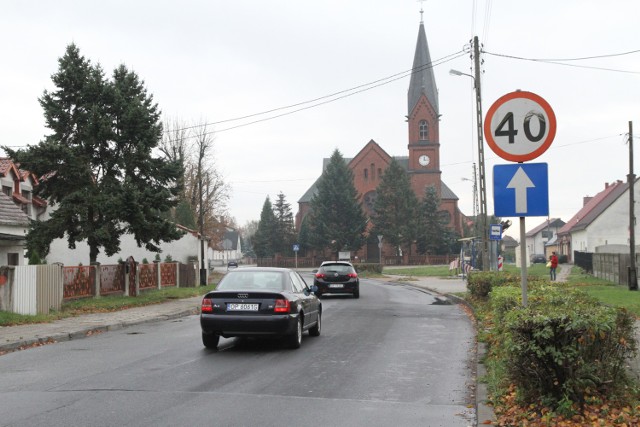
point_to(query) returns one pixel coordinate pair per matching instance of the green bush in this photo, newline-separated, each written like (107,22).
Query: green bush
(481,283)
(368,267)
(563,345)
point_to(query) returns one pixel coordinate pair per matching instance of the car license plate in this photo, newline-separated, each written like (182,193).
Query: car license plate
(242,307)
(337,285)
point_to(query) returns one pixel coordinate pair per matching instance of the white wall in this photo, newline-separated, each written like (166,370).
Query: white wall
(180,250)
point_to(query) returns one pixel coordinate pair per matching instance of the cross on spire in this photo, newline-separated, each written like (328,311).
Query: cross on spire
(421,10)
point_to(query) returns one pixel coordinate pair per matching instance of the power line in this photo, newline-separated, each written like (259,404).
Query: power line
(326,98)
(557,61)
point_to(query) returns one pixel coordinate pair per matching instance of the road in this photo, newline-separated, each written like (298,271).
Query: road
(396,356)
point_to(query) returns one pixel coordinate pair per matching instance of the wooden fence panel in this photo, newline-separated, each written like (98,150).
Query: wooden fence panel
(112,279)
(168,274)
(148,276)
(79,281)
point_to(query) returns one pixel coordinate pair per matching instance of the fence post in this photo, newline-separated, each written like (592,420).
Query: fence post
(177,264)
(96,269)
(158,275)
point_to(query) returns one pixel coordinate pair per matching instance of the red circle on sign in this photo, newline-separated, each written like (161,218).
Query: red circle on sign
(536,151)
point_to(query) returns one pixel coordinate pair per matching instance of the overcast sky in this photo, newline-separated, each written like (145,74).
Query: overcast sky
(218,60)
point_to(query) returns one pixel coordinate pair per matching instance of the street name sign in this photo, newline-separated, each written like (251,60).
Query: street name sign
(520,126)
(521,190)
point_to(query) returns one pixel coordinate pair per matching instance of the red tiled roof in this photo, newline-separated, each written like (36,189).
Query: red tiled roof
(38,201)
(20,198)
(596,205)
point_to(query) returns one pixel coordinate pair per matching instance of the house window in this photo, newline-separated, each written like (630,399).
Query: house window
(12,259)
(6,190)
(424,130)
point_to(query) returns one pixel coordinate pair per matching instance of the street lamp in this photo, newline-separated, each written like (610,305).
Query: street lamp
(481,173)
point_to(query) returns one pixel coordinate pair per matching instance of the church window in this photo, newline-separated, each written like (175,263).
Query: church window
(424,130)
(366,173)
(373,171)
(379,172)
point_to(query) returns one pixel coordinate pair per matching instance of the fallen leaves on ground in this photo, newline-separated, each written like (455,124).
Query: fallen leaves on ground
(509,413)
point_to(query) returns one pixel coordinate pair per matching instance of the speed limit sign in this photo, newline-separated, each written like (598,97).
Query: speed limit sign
(520,126)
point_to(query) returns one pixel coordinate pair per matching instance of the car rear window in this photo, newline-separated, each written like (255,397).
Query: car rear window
(269,280)
(338,268)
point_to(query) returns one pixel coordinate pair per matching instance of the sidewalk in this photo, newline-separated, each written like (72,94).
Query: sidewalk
(21,336)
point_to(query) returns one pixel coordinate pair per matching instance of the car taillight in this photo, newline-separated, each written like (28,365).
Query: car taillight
(353,275)
(320,275)
(207,306)
(282,306)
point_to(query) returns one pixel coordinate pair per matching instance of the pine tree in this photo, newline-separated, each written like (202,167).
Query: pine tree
(432,233)
(337,221)
(396,208)
(263,241)
(285,232)
(97,168)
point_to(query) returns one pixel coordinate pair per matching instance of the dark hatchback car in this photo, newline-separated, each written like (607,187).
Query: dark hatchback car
(337,277)
(538,259)
(260,301)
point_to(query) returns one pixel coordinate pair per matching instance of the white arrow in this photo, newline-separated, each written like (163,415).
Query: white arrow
(520,182)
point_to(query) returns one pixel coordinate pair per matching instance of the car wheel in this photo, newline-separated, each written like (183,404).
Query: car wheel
(356,293)
(295,339)
(315,331)
(210,340)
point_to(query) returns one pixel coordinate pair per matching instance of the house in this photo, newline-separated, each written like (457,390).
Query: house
(422,162)
(603,221)
(17,207)
(541,239)
(508,247)
(230,248)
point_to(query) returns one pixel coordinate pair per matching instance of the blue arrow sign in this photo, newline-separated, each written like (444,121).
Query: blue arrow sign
(521,189)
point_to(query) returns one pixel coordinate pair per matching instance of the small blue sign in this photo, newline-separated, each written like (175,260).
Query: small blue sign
(521,189)
(296,247)
(495,232)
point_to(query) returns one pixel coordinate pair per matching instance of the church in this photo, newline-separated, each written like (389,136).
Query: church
(422,161)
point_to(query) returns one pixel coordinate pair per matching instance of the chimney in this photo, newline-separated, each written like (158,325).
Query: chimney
(586,200)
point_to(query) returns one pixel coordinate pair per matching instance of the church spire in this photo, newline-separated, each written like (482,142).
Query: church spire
(422,79)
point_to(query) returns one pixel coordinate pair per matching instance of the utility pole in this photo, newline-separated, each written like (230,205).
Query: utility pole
(631,178)
(481,171)
(203,270)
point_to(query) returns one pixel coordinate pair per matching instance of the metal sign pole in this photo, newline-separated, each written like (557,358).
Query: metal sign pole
(523,261)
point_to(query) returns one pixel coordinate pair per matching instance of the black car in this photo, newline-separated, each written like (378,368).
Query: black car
(232,264)
(538,259)
(337,277)
(257,302)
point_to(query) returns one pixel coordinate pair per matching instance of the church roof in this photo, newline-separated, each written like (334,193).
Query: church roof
(445,192)
(422,79)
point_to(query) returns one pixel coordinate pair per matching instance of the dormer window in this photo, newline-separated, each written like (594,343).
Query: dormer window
(424,130)
(7,190)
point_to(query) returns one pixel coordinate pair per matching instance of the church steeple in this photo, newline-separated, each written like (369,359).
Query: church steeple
(422,79)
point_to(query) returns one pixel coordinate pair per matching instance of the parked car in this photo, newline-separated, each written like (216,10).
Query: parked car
(232,264)
(538,259)
(337,277)
(259,301)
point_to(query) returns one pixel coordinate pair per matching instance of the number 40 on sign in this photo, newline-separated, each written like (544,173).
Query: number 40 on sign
(520,126)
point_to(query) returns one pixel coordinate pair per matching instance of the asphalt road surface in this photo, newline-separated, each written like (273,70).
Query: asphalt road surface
(398,356)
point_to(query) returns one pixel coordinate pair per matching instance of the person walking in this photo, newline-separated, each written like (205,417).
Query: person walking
(553,260)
